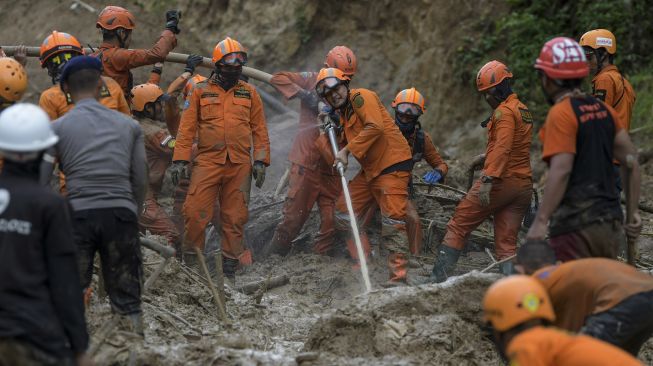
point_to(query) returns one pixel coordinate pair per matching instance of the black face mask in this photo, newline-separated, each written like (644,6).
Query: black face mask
(406,128)
(228,79)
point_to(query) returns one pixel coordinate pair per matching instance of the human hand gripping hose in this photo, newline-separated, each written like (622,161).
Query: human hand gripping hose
(330,129)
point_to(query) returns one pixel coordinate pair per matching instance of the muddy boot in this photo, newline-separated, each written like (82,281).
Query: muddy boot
(444,263)
(136,323)
(507,268)
(229,266)
(398,266)
(190,260)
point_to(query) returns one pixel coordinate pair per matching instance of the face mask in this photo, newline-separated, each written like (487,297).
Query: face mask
(228,79)
(405,128)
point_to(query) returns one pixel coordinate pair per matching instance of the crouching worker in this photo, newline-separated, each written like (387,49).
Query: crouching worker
(519,312)
(600,297)
(102,155)
(41,311)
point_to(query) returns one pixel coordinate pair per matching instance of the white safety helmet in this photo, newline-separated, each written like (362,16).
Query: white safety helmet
(25,132)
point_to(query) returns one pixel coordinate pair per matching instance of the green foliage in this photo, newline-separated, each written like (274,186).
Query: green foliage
(302,25)
(530,23)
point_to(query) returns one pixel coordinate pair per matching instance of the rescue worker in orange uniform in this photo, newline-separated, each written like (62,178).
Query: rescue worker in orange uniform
(581,138)
(226,114)
(600,297)
(409,105)
(56,49)
(519,311)
(13,83)
(117,24)
(312,179)
(505,187)
(371,136)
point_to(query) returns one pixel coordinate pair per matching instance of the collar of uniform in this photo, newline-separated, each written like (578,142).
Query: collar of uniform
(87,101)
(510,98)
(106,45)
(605,70)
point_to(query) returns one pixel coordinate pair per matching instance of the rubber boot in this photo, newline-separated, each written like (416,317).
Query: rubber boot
(190,260)
(444,263)
(353,252)
(398,267)
(229,266)
(507,268)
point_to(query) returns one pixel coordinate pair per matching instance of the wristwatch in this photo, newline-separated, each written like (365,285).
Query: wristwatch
(486,179)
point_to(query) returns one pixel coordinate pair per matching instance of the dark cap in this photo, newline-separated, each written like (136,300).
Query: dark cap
(80,63)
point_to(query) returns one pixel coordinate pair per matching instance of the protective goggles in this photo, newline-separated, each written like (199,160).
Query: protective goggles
(234,59)
(327,84)
(409,109)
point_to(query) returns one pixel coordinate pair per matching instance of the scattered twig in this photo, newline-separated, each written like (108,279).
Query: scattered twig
(168,312)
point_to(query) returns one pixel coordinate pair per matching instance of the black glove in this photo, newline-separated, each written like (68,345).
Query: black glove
(192,61)
(179,171)
(258,171)
(310,98)
(172,21)
(158,68)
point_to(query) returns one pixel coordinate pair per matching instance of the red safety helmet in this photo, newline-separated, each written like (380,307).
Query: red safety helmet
(113,17)
(341,57)
(56,43)
(491,74)
(562,58)
(407,98)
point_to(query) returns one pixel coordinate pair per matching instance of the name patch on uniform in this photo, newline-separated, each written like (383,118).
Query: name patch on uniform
(104,91)
(209,95)
(242,93)
(526,116)
(497,114)
(358,100)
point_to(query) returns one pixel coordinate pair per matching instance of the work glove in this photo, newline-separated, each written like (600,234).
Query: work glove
(178,171)
(477,162)
(158,68)
(258,172)
(310,98)
(432,177)
(484,194)
(172,21)
(191,63)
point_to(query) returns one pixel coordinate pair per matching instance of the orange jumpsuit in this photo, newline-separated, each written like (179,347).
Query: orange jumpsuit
(231,131)
(542,346)
(312,179)
(55,103)
(372,137)
(508,162)
(612,88)
(118,62)
(413,223)
(159,156)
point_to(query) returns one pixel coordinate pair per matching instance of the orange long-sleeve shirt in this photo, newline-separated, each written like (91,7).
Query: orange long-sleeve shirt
(303,151)
(229,125)
(372,136)
(118,62)
(55,103)
(612,88)
(542,346)
(509,140)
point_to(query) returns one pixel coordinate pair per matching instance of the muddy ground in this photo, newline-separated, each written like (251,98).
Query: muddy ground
(320,317)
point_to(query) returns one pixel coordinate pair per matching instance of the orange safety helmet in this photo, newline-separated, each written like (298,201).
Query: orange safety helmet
(191,83)
(514,300)
(225,47)
(58,42)
(329,78)
(113,17)
(600,38)
(411,96)
(341,57)
(13,79)
(562,58)
(143,94)
(491,74)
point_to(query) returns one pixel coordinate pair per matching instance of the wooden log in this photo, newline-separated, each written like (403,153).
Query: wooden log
(252,287)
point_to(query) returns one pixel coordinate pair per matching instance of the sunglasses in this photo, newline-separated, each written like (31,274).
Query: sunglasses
(234,59)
